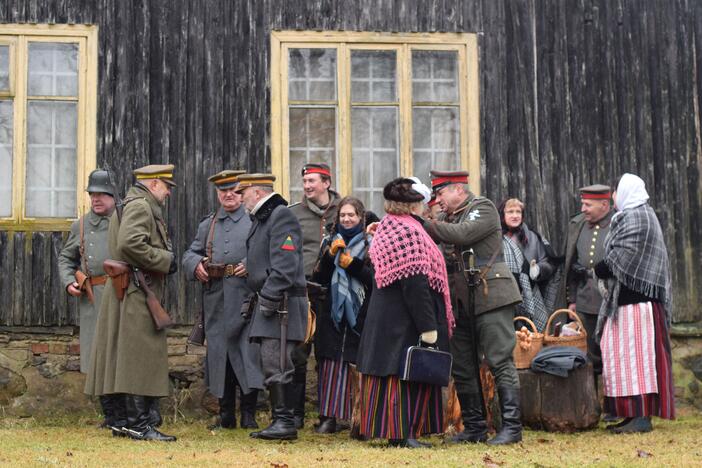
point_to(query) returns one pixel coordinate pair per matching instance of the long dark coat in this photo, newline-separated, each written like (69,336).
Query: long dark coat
(225,329)
(275,266)
(397,315)
(330,343)
(129,355)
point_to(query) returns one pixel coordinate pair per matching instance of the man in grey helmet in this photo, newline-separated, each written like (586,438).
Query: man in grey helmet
(81,271)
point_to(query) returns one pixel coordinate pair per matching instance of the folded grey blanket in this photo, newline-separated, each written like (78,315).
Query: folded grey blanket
(558,360)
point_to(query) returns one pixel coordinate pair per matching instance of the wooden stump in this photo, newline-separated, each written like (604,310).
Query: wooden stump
(559,404)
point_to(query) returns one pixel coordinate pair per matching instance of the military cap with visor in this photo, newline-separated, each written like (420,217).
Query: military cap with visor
(163,172)
(441,179)
(226,179)
(99,182)
(316,168)
(595,192)
(254,180)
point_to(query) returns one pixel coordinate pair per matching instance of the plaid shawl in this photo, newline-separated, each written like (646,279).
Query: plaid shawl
(532,305)
(635,252)
(347,292)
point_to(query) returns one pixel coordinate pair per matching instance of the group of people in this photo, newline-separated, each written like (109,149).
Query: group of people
(376,287)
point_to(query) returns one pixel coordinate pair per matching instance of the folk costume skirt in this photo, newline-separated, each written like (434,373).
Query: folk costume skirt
(637,363)
(396,409)
(335,389)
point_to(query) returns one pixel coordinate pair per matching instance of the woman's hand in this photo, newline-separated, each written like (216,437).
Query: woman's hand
(345,260)
(336,245)
(534,270)
(429,337)
(371,228)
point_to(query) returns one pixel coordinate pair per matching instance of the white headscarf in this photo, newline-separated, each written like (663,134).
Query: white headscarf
(631,192)
(418,186)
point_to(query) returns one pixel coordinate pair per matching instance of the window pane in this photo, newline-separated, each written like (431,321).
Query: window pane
(435,139)
(375,153)
(312,75)
(5,158)
(53,69)
(4,68)
(434,76)
(51,159)
(373,76)
(312,139)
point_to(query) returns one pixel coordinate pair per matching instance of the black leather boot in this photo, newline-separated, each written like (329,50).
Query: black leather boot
(474,424)
(511,431)
(138,427)
(119,414)
(298,395)
(283,425)
(107,406)
(247,408)
(326,425)
(155,419)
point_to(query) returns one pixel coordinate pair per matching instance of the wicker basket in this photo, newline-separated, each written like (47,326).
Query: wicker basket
(523,358)
(578,341)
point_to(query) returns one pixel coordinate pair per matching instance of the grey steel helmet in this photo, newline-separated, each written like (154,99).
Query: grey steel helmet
(99,182)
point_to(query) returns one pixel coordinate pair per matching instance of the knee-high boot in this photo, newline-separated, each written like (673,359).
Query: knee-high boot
(138,423)
(511,431)
(283,425)
(247,408)
(474,424)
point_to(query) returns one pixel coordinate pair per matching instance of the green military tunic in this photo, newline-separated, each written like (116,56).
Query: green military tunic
(313,221)
(476,225)
(128,354)
(69,261)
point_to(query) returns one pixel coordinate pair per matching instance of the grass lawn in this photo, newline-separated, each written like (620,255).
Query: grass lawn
(75,441)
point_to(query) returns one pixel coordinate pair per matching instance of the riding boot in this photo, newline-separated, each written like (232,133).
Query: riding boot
(107,405)
(474,424)
(283,425)
(155,419)
(247,409)
(511,431)
(298,394)
(119,414)
(138,421)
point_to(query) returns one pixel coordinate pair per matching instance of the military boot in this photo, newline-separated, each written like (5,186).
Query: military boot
(474,424)
(247,409)
(119,414)
(107,405)
(155,419)
(138,426)
(298,396)
(511,431)
(283,425)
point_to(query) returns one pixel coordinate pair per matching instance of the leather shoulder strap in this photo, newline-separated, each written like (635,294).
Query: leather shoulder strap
(81,248)
(210,237)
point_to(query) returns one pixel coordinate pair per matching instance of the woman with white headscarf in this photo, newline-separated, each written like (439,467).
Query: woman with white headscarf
(635,315)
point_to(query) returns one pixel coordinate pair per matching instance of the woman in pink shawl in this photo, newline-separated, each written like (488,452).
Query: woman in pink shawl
(410,302)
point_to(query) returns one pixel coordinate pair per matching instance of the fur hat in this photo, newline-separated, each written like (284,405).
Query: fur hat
(400,190)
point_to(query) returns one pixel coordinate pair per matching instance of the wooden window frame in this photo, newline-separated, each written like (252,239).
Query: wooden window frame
(86,36)
(466,45)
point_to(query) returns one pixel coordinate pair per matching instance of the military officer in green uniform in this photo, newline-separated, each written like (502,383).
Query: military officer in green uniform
(584,249)
(80,268)
(469,222)
(129,355)
(276,276)
(216,258)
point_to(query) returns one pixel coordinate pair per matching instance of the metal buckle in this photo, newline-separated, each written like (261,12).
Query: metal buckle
(229,270)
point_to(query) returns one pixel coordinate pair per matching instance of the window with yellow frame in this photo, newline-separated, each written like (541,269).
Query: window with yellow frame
(373,106)
(48,92)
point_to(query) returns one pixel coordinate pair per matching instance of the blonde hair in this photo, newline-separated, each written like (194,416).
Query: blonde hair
(401,208)
(514,202)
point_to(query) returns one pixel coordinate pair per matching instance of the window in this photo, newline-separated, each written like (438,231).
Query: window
(373,106)
(48,91)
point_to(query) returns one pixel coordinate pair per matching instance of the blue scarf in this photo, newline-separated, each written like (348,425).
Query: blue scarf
(348,293)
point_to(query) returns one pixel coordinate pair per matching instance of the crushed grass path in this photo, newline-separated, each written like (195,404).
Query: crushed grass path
(74,441)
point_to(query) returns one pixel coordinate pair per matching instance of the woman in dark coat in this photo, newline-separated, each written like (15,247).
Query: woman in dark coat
(410,302)
(344,268)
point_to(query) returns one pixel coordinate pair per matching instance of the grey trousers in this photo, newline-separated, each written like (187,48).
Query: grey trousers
(593,346)
(270,362)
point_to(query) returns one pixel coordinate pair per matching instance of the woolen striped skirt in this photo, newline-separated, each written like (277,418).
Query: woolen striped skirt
(334,389)
(396,409)
(662,403)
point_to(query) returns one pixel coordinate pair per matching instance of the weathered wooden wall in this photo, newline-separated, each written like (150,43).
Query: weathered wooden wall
(572,92)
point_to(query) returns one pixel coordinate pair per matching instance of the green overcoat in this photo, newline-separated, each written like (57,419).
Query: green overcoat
(128,354)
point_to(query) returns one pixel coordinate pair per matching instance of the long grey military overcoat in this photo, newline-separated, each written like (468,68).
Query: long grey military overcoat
(69,260)
(226,331)
(129,355)
(275,266)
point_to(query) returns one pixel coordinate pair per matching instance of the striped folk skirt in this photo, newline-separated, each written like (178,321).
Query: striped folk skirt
(335,389)
(637,363)
(396,409)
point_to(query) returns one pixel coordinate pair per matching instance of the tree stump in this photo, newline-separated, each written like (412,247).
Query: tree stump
(559,404)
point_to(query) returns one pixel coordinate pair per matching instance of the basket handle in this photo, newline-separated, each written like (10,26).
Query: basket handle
(570,313)
(526,319)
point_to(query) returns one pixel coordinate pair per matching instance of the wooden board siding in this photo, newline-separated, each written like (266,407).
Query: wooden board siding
(571,93)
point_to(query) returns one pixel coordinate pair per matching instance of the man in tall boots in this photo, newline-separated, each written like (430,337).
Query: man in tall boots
(279,312)
(216,258)
(470,222)
(129,355)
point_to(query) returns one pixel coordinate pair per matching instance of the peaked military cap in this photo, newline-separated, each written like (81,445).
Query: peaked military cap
(226,179)
(162,172)
(254,180)
(440,179)
(316,168)
(99,182)
(595,192)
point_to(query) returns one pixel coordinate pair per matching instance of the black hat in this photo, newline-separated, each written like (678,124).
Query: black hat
(400,190)
(99,182)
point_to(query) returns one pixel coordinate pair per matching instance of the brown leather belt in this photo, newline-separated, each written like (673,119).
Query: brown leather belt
(98,280)
(220,270)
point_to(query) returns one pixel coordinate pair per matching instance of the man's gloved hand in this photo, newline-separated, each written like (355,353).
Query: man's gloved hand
(268,307)
(174,265)
(534,270)
(579,272)
(345,260)
(429,337)
(336,245)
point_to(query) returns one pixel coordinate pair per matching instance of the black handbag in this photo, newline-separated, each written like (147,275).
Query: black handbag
(426,365)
